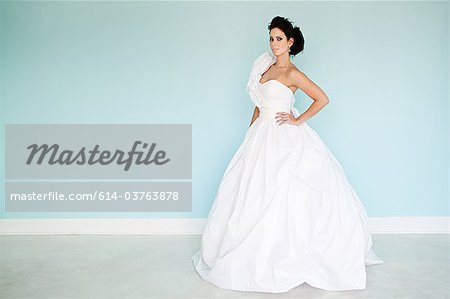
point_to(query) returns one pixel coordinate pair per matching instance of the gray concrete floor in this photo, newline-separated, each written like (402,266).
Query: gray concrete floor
(143,266)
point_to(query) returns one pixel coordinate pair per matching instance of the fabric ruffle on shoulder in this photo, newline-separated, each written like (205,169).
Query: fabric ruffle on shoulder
(262,64)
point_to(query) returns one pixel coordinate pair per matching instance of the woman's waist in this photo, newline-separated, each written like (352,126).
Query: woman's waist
(271,112)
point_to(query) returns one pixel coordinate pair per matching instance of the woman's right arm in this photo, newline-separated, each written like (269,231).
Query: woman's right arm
(255,115)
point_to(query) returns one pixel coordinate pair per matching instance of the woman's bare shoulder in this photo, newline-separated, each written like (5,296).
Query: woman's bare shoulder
(300,80)
(297,76)
(295,71)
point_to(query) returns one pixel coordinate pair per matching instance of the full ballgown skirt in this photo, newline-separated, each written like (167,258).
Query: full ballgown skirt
(284,213)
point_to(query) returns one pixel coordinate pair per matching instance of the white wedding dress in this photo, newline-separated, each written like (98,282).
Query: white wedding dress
(284,213)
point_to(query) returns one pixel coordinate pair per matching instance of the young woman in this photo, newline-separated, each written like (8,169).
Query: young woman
(285,212)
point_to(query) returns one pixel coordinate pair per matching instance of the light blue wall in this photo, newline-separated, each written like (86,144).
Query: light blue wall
(383,65)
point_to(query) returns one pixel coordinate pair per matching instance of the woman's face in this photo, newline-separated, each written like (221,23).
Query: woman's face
(278,41)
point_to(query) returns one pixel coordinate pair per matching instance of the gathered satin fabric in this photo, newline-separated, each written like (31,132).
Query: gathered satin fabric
(284,213)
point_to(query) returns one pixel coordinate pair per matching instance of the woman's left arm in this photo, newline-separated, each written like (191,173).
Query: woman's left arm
(300,80)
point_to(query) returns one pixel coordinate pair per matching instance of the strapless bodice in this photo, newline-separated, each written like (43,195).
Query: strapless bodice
(275,97)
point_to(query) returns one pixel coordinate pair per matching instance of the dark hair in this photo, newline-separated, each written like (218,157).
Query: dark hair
(290,31)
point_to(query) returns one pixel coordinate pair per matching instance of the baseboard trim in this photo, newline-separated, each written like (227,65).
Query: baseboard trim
(192,226)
